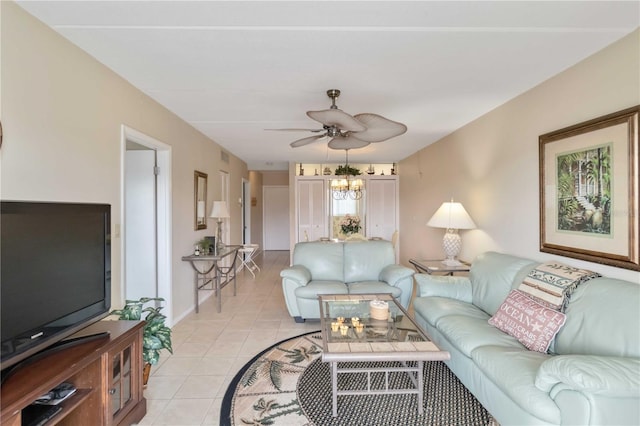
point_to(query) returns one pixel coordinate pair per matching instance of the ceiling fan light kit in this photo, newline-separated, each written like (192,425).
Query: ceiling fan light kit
(340,142)
(347,131)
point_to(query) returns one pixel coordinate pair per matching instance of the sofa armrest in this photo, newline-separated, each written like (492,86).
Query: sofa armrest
(451,287)
(298,274)
(394,274)
(601,375)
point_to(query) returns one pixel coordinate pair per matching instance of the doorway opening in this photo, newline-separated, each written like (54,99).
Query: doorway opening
(146,218)
(275,217)
(246,211)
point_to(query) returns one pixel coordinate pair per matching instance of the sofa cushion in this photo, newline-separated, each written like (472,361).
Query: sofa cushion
(363,260)
(602,319)
(514,372)
(368,287)
(493,275)
(467,334)
(532,324)
(316,287)
(434,308)
(323,260)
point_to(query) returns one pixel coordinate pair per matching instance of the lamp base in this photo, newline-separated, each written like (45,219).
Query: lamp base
(451,244)
(452,262)
(220,245)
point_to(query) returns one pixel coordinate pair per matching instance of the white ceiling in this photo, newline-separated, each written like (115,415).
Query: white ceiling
(234,68)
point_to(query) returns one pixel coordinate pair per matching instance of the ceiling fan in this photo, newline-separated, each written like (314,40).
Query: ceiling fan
(347,131)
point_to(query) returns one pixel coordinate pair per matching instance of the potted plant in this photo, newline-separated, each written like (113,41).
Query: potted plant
(347,170)
(156,334)
(206,244)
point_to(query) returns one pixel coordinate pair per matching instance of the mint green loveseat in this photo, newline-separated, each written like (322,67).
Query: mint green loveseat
(591,375)
(351,267)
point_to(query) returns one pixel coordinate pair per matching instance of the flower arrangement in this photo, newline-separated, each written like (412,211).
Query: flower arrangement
(350,224)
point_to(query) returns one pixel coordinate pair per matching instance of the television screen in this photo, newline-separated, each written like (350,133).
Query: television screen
(55,273)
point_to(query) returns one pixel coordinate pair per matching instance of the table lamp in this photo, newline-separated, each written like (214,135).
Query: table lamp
(219,212)
(451,216)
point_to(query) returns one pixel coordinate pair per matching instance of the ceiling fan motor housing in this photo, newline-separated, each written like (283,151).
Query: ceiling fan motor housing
(333,94)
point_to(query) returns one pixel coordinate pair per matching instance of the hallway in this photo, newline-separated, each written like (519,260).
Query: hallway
(187,388)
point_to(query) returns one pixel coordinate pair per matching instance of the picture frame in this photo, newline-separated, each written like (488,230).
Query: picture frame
(589,190)
(200,200)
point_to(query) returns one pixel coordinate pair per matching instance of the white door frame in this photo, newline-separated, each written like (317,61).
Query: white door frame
(163,206)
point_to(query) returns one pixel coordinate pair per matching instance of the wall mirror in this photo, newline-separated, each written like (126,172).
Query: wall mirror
(200,199)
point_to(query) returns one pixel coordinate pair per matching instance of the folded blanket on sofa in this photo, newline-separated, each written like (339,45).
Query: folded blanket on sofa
(552,283)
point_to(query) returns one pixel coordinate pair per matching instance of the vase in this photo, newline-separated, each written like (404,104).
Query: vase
(353,236)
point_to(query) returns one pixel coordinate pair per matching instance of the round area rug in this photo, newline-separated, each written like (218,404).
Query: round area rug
(288,384)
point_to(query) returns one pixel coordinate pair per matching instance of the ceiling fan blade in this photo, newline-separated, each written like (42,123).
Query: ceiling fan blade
(378,128)
(306,141)
(338,118)
(340,142)
(295,130)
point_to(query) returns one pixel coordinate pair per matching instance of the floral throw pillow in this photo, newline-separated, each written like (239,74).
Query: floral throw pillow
(528,321)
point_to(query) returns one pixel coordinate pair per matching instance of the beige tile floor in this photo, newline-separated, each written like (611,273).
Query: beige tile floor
(187,388)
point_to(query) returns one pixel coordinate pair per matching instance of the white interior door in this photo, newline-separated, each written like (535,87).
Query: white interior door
(246,212)
(382,208)
(140,233)
(276,217)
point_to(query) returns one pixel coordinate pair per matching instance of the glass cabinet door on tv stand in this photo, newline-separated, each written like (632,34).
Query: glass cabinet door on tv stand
(125,371)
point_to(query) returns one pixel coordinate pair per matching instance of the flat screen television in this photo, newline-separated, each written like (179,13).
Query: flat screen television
(55,273)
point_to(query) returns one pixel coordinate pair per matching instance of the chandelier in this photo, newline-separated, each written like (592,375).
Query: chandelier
(347,187)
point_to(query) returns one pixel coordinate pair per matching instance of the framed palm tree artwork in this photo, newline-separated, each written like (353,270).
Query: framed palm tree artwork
(589,190)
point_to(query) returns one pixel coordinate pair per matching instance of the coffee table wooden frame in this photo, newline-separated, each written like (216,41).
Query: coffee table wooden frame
(358,348)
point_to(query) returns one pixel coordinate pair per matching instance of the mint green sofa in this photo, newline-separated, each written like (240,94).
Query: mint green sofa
(591,375)
(351,267)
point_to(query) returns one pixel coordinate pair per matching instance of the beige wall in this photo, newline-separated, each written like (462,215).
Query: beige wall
(275,178)
(62,113)
(491,164)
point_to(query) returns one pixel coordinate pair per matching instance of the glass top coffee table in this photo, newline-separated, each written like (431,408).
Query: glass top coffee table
(374,328)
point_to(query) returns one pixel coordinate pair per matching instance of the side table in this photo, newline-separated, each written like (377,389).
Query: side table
(212,265)
(437,267)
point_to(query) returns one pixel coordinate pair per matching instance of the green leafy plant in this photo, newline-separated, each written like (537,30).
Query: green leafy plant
(206,245)
(156,334)
(347,170)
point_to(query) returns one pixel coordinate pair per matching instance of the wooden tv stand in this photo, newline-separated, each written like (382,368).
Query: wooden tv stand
(106,371)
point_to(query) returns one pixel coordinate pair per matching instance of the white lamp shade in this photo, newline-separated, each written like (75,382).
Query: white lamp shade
(219,210)
(451,216)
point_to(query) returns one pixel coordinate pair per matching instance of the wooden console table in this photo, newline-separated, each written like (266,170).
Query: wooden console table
(106,371)
(213,266)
